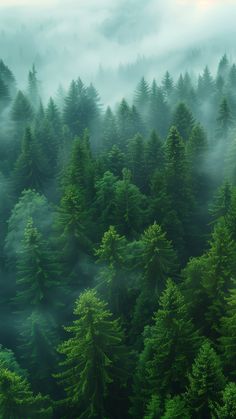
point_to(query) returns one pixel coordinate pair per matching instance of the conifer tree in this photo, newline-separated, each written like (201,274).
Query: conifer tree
(169,349)
(36,275)
(129,206)
(115,161)
(4,95)
(22,111)
(227,410)
(141,98)
(183,120)
(18,401)
(29,169)
(206,383)
(136,161)
(220,271)
(227,338)
(33,88)
(224,120)
(94,358)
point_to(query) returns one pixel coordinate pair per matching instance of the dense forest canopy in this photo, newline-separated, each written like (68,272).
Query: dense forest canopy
(118,249)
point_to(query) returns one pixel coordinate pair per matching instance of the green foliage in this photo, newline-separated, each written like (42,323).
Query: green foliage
(94,357)
(206,383)
(17,399)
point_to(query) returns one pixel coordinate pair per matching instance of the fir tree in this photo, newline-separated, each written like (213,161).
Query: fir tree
(94,358)
(206,383)
(18,401)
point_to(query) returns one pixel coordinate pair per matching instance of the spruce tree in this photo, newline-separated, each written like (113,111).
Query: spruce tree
(18,401)
(29,168)
(169,349)
(183,120)
(36,274)
(94,358)
(227,337)
(206,383)
(227,409)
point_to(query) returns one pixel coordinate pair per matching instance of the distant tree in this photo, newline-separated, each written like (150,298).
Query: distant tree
(129,206)
(36,273)
(141,97)
(224,120)
(168,85)
(33,88)
(4,95)
(29,168)
(136,161)
(183,120)
(22,111)
(159,112)
(95,358)
(109,130)
(115,161)
(8,78)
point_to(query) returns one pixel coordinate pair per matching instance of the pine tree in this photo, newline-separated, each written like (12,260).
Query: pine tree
(94,358)
(124,123)
(37,346)
(206,383)
(141,98)
(176,408)
(168,85)
(18,401)
(104,204)
(4,95)
(227,409)
(22,111)
(111,277)
(36,274)
(29,168)
(224,120)
(136,161)
(115,161)
(169,349)
(70,112)
(33,88)
(228,333)
(154,155)
(159,113)
(220,271)
(109,130)
(183,120)
(129,206)
(8,78)
(223,67)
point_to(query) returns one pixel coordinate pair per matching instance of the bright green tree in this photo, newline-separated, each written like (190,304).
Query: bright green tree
(206,383)
(94,358)
(18,401)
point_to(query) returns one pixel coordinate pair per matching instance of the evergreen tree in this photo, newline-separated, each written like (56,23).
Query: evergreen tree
(176,408)
(18,401)
(154,156)
(36,275)
(8,78)
(141,98)
(183,120)
(29,168)
(115,161)
(109,130)
(228,333)
(206,383)
(224,120)
(33,88)
(169,349)
(228,408)
(22,111)
(159,113)
(129,206)
(94,358)
(220,271)
(4,95)
(136,161)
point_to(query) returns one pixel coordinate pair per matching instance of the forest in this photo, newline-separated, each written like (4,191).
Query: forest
(118,249)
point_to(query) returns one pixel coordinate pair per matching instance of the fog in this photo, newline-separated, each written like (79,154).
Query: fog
(113,43)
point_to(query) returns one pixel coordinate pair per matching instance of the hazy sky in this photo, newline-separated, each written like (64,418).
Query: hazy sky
(67,38)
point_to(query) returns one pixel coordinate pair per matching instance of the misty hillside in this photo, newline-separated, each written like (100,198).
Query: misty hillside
(117,210)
